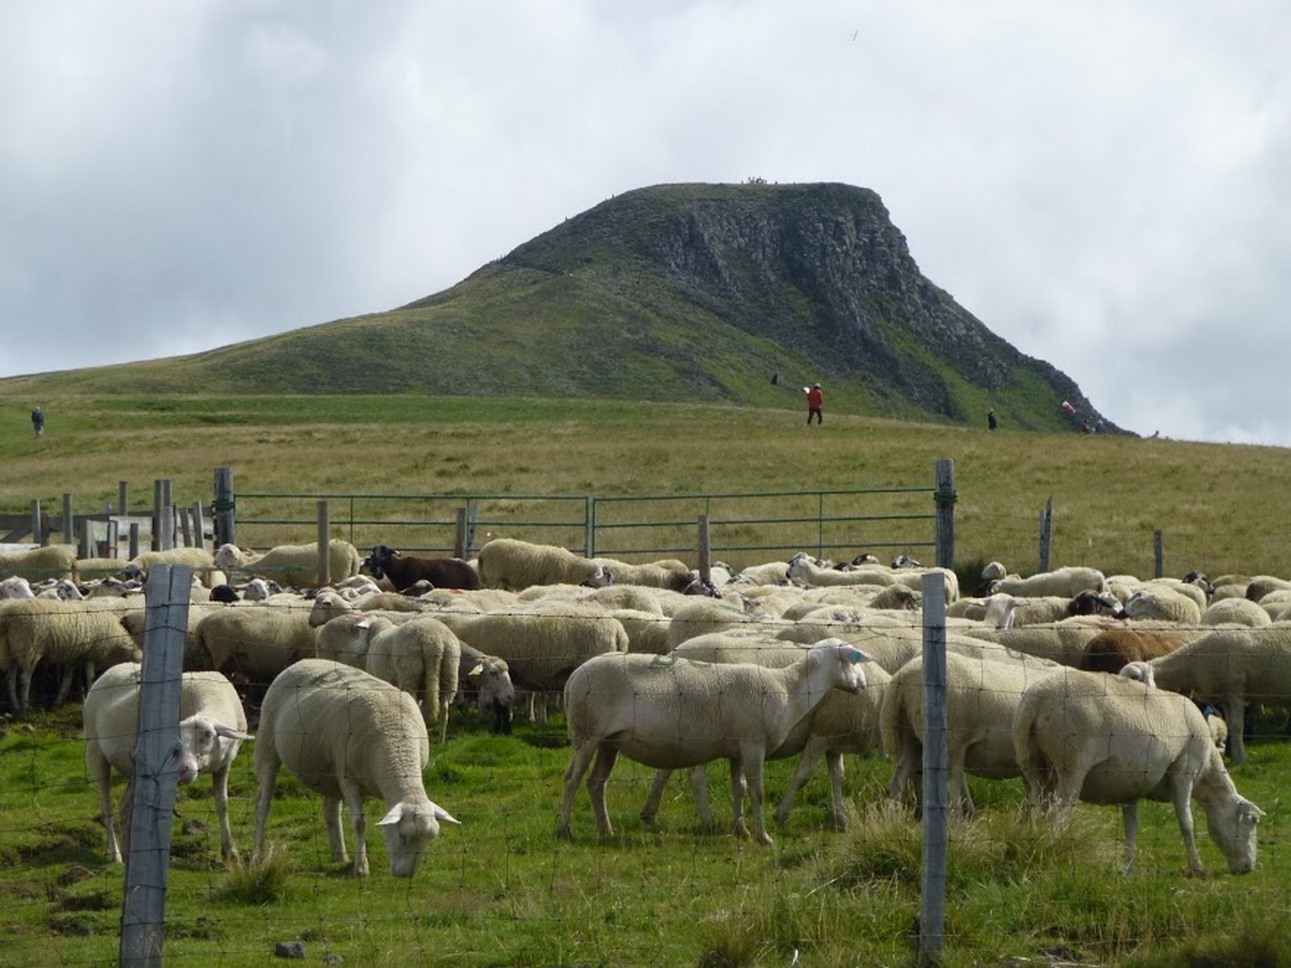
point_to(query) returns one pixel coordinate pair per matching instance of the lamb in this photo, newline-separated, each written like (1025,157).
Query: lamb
(295,565)
(842,723)
(515,565)
(348,735)
(405,571)
(1065,582)
(51,561)
(1107,739)
(1112,649)
(72,634)
(212,726)
(670,713)
(1231,667)
(1236,611)
(981,697)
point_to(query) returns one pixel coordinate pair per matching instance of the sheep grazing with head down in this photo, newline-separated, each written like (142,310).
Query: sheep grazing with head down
(671,713)
(1110,740)
(212,727)
(404,571)
(348,735)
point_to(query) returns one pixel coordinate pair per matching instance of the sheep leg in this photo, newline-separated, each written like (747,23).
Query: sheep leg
(751,763)
(358,819)
(650,809)
(443,721)
(596,781)
(1235,717)
(961,801)
(807,761)
(1130,819)
(573,777)
(332,823)
(220,780)
(834,763)
(101,774)
(1182,795)
(699,787)
(65,683)
(266,776)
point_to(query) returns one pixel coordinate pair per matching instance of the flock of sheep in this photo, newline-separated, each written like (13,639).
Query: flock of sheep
(1087,687)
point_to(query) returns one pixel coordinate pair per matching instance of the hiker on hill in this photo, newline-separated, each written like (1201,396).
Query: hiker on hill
(815,401)
(38,421)
(991,422)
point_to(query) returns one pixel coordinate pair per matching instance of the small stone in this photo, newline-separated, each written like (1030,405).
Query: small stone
(289,949)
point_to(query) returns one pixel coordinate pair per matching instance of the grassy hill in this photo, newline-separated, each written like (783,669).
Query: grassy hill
(673,293)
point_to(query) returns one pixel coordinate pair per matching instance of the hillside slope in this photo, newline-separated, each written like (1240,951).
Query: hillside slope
(669,293)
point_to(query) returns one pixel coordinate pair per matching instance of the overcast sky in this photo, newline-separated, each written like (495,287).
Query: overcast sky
(1104,183)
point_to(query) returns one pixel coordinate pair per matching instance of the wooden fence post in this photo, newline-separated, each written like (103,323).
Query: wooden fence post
(223,507)
(705,551)
(932,919)
(154,542)
(122,495)
(459,536)
(1046,534)
(324,545)
(69,522)
(36,536)
(1158,551)
(944,499)
(134,541)
(199,526)
(152,811)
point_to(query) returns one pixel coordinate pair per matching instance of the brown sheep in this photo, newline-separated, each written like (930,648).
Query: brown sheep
(1111,649)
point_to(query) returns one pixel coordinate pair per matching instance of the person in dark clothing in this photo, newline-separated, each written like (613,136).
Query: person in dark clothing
(815,403)
(991,422)
(38,421)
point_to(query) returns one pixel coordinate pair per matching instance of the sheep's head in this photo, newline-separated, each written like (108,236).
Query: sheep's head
(201,748)
(409,828)
(1231,823)
(376,563)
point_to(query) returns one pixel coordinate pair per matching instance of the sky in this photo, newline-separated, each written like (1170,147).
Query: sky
(1103,183)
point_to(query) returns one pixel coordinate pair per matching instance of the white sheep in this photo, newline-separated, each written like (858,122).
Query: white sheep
(671,713)
(981,697)
(804,570)
(489,678)
(1161,602)
(15,586)
(1231,667)
(50,561)
(212,726)
(843,722)
(1236,611)
(703,615)
(76,635)
(512,564)
(1065,582)
(198,559)
(766,573)
(668,573)
(291,564)
(253,640)
(1110,740)
(348,735)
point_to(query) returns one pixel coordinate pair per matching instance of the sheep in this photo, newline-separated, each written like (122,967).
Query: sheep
(842,723)
(1063,642)
(1112,649)
(51,561)
(16,586)
(1231,667)
(767,573)
(405,571)
(212,726)
(348,735)
(1159,601)
(514,565)
(489,679)
(1236,611)
(669,573)
(647,631)
(708,615)
(253,641)
(804,570)
(199,559)
(1261,585)
(1139,671)
(1065,582)
(671,713)
(1110,740)
(981,697)
(291,564)
(71,634)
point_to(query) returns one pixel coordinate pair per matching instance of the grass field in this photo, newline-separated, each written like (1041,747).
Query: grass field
(500,889)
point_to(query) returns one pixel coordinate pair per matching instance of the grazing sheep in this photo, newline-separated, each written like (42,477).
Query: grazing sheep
(843,722)
(74,635)
(1161,602)
(1236,611)
(488,679)
(1065,582)
(1110,740)
(981,697)
(253,641)
(405,571)
(212,727)
(51,561)
(1112,649)
(515,565)
(1218,728)
(348,735)
(671,713)
(1231,667)
(295,565)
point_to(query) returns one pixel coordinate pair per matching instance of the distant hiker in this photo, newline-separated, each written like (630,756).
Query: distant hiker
(815,401)
(38,421)
(991,422)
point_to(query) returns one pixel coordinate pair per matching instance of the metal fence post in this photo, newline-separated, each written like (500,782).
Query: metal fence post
(932,920)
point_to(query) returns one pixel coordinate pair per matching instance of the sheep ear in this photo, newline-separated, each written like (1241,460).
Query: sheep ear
(856,655)
(392,817)
(479,667)
(1249,811)
(228,732)
(442,815)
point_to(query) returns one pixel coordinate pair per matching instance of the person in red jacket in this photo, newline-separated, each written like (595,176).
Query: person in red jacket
(815,401)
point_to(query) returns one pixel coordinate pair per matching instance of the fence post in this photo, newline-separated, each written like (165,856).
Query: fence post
(166,539)
(459,537)
(324,545)
(589,526)
(1158,551)
(705,551)
(184,528)
(1046,534)
(154,541)
(152,807)
(114,538)
(932,917)
(199,525)
(122,494)
(69,522)
(36,536)
(223,508)
(84,540)
(944,498)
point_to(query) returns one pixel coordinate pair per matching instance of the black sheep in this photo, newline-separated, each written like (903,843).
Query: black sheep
(404,572)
